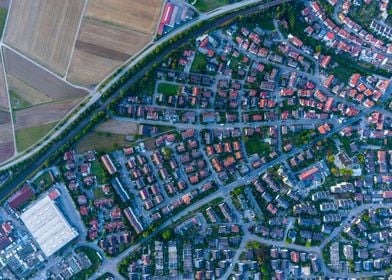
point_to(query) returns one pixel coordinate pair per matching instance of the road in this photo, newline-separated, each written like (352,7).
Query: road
(20,178)
(95,94)
(223,192)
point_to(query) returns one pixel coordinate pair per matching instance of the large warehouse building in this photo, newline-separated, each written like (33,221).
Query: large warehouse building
(48,225)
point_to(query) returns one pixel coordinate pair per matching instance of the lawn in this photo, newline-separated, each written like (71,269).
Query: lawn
(101,142)
(47,181)
(168,89)
(199,64)
(254,145)
(98,193)
(26,137)
(97,170)
(209,5)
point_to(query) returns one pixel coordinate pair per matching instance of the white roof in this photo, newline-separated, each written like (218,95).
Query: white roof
(48,226)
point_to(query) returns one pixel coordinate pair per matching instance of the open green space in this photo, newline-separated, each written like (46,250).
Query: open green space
(44,181)
(98,193)
(101,142)
(17,101)
(199,64)
(97,170)
(254,145)
(26,137)
(3,17)
(301,138)
(209,5)
(168,89)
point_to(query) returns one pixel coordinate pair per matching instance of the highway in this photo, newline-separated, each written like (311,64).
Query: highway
(21,177)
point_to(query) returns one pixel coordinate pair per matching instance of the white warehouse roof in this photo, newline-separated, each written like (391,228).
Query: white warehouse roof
(48,226)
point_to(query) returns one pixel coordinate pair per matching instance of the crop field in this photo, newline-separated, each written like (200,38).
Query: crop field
(6,136)
(118,127)
(39,79)
(4,4)
(43,114)
(3,90)
(45,30)
(111,32)
(23,96)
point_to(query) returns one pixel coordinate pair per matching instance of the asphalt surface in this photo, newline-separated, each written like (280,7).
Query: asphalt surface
(21,177)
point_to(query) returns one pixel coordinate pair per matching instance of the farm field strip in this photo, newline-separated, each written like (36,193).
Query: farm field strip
(7,135)
(111,33)
(44,30)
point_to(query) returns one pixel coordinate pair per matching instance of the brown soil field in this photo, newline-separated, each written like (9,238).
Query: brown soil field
(6,136)
(111,32)
(45,30)
(139,15)
(4,117)
(43,114)
(4,3)
(89,69)
(39,79)
(118,127)
(3,89)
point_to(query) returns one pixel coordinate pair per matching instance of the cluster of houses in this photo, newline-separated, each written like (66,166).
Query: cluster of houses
(207,255)
(18,252)
(70,266)
(225,151)
(346,36)
(97,201)
(283,263)
(365,246)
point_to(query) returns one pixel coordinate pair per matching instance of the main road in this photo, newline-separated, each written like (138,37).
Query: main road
(231,10)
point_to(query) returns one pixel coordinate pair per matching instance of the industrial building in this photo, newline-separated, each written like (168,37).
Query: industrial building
(48,225)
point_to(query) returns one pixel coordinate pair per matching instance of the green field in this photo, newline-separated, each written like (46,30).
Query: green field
(101,142)
(98,193)
(168,89)
(199,64)
(26,137)
(209,5)
(97,170)
(17,102)
(46,178)
(3,17)
(254,145)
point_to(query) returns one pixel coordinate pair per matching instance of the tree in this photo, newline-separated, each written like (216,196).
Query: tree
(334,171)
(331,158)
(167,234)
(346,172)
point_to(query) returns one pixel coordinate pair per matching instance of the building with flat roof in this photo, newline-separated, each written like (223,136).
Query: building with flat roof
(48,225)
